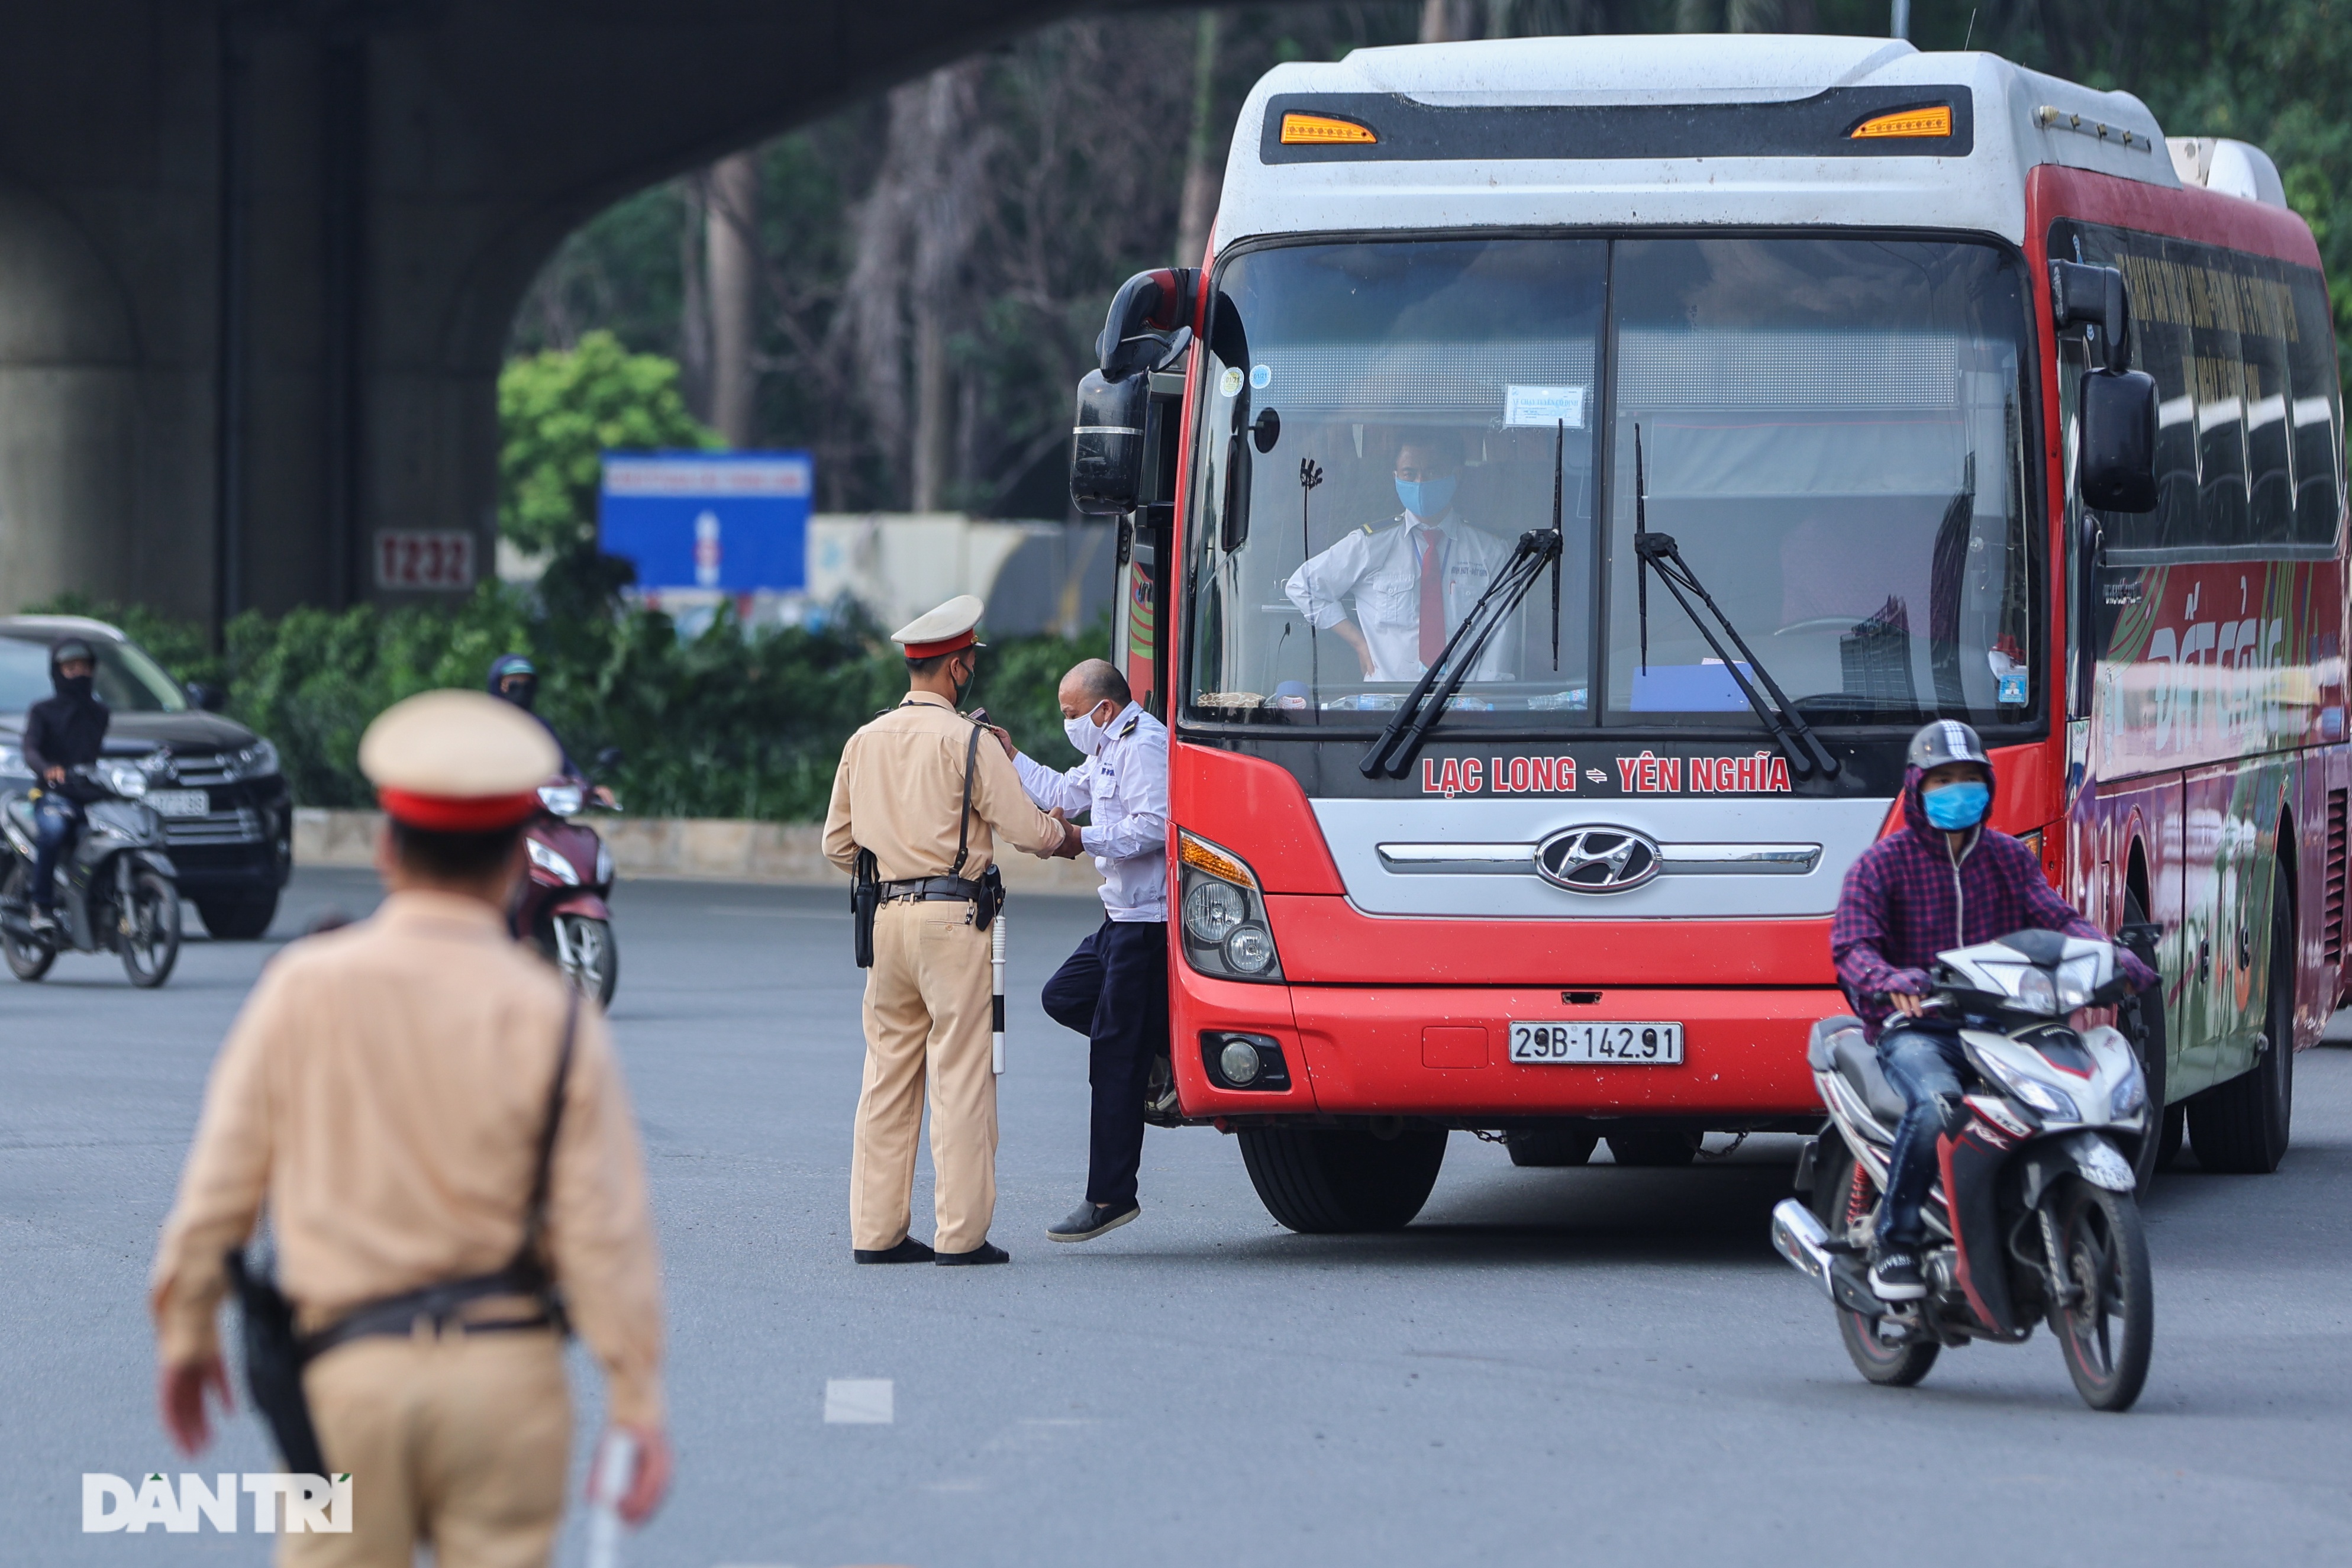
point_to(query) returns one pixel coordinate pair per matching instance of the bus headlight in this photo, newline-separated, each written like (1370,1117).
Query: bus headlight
(1239,1062)
(1225,925)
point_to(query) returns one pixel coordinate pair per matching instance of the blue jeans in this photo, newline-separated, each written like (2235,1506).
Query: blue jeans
(54,820)
(1924,1064)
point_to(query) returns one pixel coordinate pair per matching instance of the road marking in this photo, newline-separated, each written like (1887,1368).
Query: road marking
(858,1401)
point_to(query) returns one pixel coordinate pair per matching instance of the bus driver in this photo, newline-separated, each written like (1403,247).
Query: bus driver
(1412,580)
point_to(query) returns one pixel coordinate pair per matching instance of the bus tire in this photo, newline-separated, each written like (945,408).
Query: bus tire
(2240,1127)
(2141,1021)
(1329,1182)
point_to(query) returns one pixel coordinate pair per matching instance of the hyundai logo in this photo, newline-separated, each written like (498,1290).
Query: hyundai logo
(1597,859)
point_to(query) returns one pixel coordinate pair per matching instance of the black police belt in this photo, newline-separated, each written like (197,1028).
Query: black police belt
(929,889)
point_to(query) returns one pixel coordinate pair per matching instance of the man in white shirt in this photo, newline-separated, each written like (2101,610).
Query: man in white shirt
(1114,988)
(1413,581)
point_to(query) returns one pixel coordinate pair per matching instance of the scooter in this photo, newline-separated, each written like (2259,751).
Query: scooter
(562,908)
(115,889)
(2034,1215)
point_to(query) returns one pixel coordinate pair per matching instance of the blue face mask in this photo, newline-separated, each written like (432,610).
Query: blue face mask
(1957,806)
(1426,498)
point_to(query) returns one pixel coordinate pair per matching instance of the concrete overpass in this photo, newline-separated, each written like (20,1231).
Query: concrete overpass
(258,257)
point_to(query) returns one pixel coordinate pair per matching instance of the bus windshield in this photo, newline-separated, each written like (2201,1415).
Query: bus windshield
(1831,428)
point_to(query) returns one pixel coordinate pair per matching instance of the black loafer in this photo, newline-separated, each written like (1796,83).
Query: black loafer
(908,1251)
(986,1252)
(1088,1221)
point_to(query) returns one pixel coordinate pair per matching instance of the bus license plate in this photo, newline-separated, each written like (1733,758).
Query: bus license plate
(180,802)
(1598,1044)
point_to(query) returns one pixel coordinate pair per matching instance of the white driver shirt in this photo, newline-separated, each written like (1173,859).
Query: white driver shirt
(1382,573)
(1125,786)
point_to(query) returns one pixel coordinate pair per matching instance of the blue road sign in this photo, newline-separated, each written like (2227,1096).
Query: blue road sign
(732,520)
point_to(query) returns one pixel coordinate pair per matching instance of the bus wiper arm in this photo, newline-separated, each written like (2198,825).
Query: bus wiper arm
(1402,742)
(1658,552)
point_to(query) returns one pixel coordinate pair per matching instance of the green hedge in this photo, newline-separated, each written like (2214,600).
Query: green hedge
(724,725)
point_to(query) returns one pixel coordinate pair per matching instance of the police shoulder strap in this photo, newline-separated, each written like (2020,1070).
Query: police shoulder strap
(963,822)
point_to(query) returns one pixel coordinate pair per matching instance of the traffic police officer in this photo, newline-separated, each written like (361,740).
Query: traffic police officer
(385,1090)
(1114,988)
(917,793)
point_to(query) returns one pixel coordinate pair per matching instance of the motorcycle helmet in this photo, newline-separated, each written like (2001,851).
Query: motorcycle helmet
(518,669)
(1947,741)
(66,651)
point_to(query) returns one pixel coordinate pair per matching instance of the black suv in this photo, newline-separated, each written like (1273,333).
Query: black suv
(227,820)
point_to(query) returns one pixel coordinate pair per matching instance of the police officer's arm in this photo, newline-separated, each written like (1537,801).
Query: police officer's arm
(600,1235)
(839,846)
(222,1185)
(1001,802)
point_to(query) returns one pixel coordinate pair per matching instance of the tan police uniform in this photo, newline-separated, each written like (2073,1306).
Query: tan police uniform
(900,793)
(383,1093)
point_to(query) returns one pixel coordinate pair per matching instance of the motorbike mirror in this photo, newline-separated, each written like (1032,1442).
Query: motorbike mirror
(608,759)
(206,698)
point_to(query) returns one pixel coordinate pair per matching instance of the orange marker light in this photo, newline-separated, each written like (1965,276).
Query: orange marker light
(1936,122)
(1324,130)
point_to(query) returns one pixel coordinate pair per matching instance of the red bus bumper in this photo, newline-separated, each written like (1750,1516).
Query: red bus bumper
(1445,1052)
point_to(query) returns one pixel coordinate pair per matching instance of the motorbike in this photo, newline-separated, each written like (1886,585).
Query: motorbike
(115,889)
(562,908)
(2034,1215)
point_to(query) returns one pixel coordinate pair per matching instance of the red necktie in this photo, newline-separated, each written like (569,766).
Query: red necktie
(1432,596)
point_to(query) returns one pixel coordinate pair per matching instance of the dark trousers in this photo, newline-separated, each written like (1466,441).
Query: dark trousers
(1923,1065)
(54,820)
(1114,991)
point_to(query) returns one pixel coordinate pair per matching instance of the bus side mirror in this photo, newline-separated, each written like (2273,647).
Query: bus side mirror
(1107,444)
(1148,323)
(2118,471)
(2082,295)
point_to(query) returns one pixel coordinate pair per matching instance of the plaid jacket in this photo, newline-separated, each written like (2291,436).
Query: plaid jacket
(1907,899)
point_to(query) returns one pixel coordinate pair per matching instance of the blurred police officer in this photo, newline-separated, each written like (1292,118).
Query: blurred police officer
(1114,988)
(386,1091)
(917,791)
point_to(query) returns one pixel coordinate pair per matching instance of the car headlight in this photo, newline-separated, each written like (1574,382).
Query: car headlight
(548,862)
(259,761)
(1226,932)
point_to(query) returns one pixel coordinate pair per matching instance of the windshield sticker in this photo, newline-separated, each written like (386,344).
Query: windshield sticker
(1230,383)
(1544,406)
(1261,376)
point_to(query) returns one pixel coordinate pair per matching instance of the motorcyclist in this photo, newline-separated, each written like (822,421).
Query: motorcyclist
(61,734)
(514,678)
(1946,880)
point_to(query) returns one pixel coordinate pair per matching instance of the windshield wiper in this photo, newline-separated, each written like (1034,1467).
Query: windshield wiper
(1658,552)
(1401,742)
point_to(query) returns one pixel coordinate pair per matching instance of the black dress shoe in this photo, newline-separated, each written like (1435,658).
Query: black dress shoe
(986,1252)
(908,1251)
(1089,1220)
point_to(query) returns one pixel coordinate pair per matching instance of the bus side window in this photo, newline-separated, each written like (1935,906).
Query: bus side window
(2314,411)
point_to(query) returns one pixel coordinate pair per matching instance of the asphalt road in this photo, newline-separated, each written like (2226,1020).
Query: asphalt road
(1549,1366)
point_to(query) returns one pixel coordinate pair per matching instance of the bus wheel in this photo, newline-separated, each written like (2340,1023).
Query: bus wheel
(2240,1127)
(1319,1182)
(2141,1021)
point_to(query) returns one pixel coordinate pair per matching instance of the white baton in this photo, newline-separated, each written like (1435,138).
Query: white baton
(996,1002)
(616,1467)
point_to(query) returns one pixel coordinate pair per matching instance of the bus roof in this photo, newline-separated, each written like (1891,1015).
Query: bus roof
(1752,129)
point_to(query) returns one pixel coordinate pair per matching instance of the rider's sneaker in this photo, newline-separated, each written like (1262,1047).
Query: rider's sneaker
(1895,1275)
(42,921)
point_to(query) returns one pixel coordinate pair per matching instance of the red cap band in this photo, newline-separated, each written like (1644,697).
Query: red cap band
(934,649)
(448,814)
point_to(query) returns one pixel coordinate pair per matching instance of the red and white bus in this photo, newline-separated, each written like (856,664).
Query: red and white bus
(1621,327)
